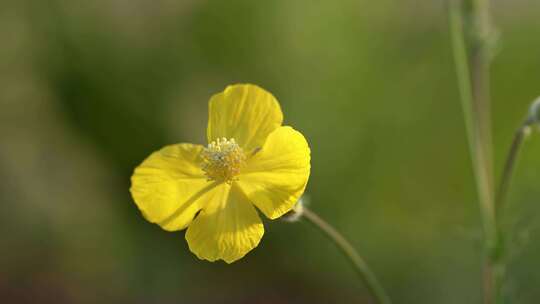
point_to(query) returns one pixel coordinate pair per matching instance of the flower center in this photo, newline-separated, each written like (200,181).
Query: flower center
(222,159)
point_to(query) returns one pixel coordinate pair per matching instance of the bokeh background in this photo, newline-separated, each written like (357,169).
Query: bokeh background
(88,89)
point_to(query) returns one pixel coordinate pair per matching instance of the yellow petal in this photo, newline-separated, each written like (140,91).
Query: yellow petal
(169,187)
(276,176)
(227,228)
(244,112)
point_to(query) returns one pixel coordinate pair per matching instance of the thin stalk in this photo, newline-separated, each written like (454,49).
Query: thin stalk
(459,50)
(472,61)
(365,273)
(499,262)
(477,147)
(510,163)
(481,53)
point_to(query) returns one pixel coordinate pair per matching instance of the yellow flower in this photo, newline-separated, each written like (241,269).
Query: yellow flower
(251,159)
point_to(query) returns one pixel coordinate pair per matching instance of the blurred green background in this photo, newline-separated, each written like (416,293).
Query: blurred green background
(88,89)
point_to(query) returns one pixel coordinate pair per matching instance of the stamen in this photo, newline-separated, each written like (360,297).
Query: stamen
(222,160)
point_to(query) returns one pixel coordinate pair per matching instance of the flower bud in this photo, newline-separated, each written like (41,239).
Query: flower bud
(534,113)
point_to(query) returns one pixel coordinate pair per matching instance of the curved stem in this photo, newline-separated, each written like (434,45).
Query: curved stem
(348,250)
(498,262)
(509,166)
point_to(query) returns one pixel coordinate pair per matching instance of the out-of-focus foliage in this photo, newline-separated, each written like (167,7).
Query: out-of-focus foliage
(89,88)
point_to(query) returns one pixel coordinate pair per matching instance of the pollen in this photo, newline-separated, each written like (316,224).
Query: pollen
(222,160)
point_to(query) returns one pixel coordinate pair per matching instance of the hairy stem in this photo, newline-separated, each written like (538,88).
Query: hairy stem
(365,273)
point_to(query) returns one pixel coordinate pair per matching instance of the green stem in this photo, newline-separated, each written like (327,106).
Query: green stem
(499,261)
(511,160)
(472,68)
(365,273)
